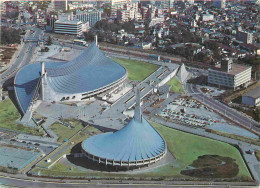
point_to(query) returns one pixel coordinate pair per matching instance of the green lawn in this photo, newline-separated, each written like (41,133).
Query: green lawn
(187,148)
(176,85)
(64,132)
(8,116)
(59,168)
(257,154)
(137,70)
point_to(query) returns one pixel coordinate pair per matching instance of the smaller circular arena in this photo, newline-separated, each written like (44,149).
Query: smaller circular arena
(135,145)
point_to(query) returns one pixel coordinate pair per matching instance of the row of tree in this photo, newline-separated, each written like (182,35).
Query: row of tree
(105,29)
(10,36)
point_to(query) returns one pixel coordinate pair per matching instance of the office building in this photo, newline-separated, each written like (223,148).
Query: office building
(92,16)
(220,4)
(71,27)
(230,75)
(60,5)
(245,37)
(117,5)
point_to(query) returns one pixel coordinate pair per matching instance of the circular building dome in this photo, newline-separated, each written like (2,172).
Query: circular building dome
(137,144)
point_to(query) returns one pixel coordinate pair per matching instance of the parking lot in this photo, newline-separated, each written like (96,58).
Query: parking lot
(190,112)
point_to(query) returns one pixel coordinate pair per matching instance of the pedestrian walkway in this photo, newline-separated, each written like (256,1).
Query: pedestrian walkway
(46,127)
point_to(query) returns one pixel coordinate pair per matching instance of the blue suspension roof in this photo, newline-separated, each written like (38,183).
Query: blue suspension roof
(136,141)
(90,71)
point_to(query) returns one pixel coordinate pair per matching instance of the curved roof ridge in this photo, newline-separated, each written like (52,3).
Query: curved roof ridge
(90,71)
(75,64)
(137,141)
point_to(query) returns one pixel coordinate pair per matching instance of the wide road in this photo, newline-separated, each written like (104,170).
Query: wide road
(223,109)
(26,52)
(41,182)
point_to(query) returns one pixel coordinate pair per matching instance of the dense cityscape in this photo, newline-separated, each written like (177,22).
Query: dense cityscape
(130,93)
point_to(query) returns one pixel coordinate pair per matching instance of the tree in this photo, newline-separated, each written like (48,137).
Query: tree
(10,36)
(107,11)
(89,36)
(49,40)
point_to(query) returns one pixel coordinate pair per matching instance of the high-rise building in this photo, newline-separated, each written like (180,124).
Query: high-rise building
(129,12)
(220,4)
(118,5)
(2,8)
(245,37)
(92,16)
(167,4)
(60,4)
(51,20)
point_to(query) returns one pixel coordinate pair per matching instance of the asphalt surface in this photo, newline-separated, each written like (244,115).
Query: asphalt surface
(228,112)
(26,52)
(41,182)
(114,113)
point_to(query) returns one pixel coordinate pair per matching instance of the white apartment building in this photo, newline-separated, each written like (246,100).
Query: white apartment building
(129,12)
(92,16)
(117,5)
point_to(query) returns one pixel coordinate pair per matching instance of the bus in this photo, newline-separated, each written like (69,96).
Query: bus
(80,42)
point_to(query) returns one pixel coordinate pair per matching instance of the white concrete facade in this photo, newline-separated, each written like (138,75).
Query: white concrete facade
(68,27)
(225,79)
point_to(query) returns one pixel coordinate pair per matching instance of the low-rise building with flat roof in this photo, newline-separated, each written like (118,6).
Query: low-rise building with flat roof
(230,75)
(252,97)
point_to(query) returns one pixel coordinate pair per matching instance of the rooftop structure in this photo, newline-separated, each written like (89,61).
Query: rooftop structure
(89,74)
(135,145)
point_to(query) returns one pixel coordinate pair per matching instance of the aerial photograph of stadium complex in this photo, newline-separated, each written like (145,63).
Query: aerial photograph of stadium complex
(130,93)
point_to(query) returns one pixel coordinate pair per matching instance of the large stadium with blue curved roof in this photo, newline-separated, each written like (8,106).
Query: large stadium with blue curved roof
(89,74)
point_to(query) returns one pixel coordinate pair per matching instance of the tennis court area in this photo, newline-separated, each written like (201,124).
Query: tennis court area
(16,158)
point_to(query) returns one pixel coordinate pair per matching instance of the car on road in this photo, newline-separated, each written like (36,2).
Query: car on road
(251,152)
